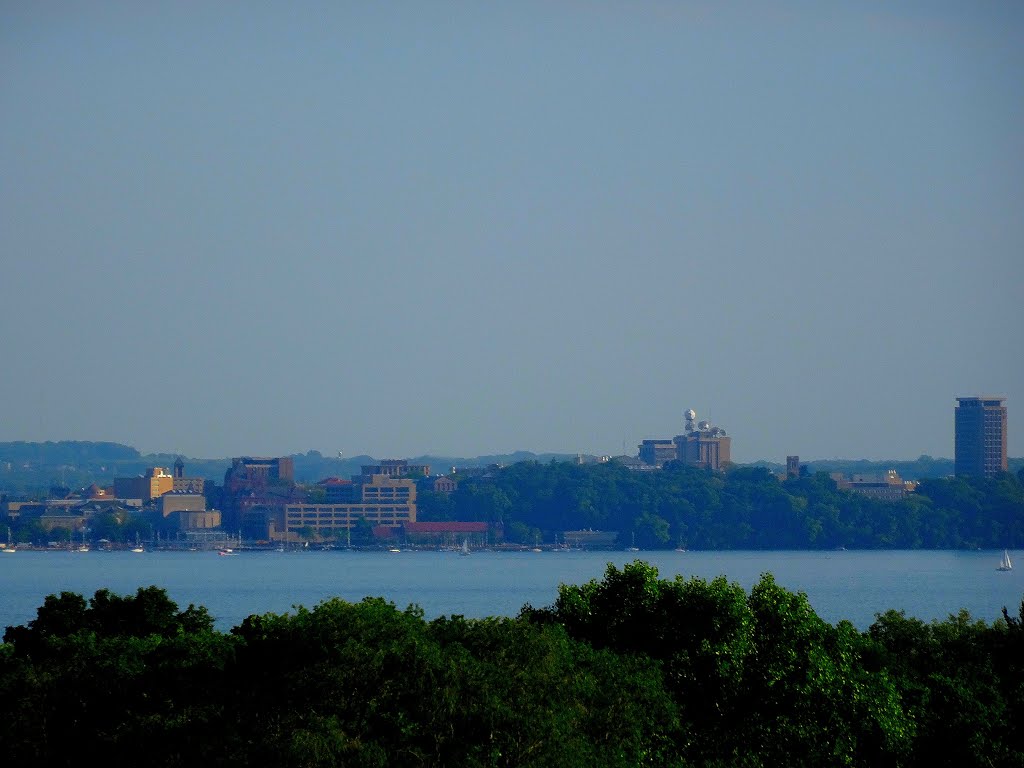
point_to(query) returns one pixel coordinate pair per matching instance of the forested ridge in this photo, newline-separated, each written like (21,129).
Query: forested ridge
(629,670)
(741,508)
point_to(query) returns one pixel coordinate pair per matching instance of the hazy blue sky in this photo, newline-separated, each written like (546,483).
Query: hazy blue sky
(467,228)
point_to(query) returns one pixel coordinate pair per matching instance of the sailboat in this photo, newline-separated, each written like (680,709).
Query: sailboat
(138,545)
(1005,564)
(465,547)
(10,543)
(633,547)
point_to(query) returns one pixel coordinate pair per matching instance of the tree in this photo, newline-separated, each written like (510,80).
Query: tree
(362,532)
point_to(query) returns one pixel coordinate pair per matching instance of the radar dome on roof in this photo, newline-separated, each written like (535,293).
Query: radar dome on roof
(690,415)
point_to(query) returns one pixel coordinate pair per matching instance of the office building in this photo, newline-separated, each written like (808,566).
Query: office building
(979,436)
(380,499)
(702,444)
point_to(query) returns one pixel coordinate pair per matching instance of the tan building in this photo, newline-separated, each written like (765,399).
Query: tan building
(184,484)
(195,520)
(152,485)
(700,445)
(382,500)
(175,501)
(710,451)
(887,487)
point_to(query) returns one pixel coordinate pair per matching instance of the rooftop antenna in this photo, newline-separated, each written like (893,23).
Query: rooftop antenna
(691,416)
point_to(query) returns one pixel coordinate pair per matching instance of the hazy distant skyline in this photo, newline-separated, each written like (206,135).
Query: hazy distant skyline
(462,229)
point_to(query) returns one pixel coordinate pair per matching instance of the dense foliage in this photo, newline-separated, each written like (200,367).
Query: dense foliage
(631,670)
(742,508)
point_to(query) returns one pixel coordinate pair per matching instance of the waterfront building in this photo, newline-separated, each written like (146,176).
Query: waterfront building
(446,534)
(380,499)
(979,427)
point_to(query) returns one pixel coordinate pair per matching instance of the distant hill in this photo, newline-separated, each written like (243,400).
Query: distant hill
(28,468)
(32,468)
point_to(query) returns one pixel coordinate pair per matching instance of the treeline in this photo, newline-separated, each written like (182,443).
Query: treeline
(921,467)
(629,671)
(742,508)
(35,468)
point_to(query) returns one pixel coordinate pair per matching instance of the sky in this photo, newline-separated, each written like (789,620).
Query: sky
(463,228)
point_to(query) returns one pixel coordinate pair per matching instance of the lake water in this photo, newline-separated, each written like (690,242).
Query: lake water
(853,585)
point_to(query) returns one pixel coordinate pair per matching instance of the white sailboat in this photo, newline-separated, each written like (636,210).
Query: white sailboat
(1005,564)
(10,543)
(465,547)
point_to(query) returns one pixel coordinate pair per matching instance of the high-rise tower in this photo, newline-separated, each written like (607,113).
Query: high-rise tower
(980,436)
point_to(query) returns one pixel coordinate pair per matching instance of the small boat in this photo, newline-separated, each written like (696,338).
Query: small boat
(226,551)
(633,547)
(1005,564)
(465,547)
(10,543)
(394,549)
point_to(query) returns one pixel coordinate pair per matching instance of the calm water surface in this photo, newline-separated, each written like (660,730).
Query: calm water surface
(840,585)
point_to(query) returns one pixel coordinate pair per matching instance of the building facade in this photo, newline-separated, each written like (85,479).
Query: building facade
(701,445)
(396,468)
(887,487)
(256,491)
(152,485)
(979,436)
(381,500)
(183,484)
(657,452)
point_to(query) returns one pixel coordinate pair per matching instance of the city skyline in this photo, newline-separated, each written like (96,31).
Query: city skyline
(460,230)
